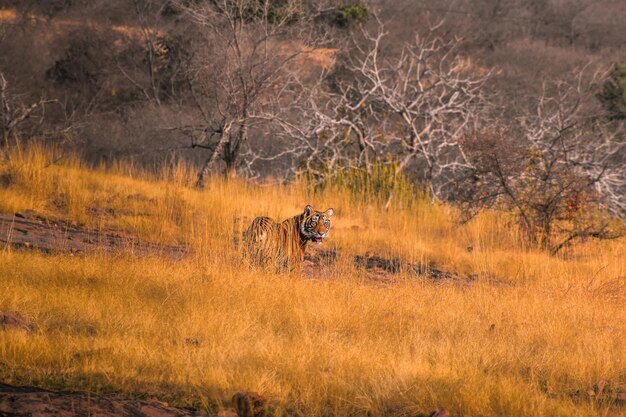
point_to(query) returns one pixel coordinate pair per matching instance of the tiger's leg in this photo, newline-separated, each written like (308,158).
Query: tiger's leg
(259,249)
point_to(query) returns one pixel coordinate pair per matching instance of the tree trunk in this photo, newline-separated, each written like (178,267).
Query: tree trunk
(4,146)
(233,150)
(220,149)
(231,169)
(204,173)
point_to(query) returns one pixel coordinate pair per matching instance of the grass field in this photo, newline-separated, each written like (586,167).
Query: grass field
(529,336)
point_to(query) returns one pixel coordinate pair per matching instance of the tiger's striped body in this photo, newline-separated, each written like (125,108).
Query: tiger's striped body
(281,245)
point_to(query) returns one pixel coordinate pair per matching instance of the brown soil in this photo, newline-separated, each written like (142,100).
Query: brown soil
(30,401)
(14,320)
(318,262)
(28,230)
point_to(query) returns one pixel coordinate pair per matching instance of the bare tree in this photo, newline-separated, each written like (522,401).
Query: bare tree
(559,172)
(13,115)
(159,76)
(248,49)
(409,110)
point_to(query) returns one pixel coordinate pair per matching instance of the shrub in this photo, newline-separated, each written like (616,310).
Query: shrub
(554,200)
(613,94)
(378,183)
(351,14)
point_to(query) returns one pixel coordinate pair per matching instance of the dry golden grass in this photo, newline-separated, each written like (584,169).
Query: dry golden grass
(528,337)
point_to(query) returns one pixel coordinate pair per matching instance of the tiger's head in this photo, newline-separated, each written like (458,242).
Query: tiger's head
(315,225)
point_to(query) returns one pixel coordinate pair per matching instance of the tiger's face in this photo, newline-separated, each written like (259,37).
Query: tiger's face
(315,225)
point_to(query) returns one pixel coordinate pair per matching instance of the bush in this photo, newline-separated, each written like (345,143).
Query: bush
(380,183)
(613,94)
(351,14)
(553,199)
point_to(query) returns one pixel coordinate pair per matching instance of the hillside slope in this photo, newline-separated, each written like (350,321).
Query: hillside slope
(528,334)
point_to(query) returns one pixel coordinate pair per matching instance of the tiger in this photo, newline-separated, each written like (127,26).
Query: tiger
(281,246)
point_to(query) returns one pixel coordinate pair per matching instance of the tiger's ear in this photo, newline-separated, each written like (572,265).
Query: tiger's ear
(329,212)
(307,210)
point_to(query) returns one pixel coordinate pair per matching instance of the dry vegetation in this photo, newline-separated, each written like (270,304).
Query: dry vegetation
(529,335)
(505,329)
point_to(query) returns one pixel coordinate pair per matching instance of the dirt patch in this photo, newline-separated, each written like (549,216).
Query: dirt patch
(29,230)
(396,265)
(30,401)
(250,404)
(377,269)
(6,179)
(320,257)
(603,392)
(14,320)
(377,264)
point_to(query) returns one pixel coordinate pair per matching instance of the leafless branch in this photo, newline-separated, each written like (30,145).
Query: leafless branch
(410,110)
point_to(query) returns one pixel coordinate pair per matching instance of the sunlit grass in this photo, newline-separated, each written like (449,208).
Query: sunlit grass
(527,337)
